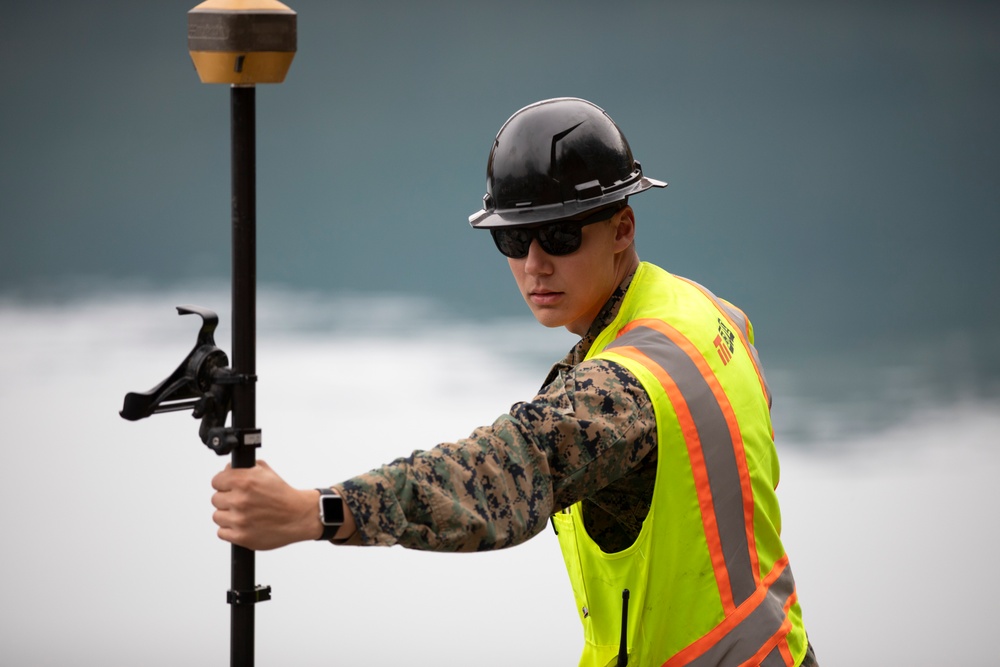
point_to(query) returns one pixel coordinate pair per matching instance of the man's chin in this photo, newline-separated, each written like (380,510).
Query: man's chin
(547,317)
(551,320)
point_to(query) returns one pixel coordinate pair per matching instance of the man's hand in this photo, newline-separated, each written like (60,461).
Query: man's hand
(258,510)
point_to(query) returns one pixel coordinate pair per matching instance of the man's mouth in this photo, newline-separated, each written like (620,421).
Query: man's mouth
(543,297)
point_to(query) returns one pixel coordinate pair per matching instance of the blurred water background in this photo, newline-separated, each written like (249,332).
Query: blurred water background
(832,170)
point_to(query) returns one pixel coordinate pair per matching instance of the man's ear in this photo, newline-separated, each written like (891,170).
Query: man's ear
(624,229)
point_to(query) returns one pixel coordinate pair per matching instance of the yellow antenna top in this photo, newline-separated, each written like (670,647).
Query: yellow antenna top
(242,42)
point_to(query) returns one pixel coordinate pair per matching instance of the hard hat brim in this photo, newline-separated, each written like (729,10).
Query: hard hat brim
(525,217)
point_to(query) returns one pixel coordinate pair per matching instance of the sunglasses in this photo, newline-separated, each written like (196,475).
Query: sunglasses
(555,238)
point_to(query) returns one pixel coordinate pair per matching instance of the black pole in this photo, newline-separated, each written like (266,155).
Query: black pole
(203,384)
(240,45)
(244,318)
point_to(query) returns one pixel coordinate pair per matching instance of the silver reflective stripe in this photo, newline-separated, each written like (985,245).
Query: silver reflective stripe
(735,314)
(773,659)
(717,449)
(742,642)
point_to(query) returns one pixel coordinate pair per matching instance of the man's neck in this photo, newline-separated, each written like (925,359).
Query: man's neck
(625,265)
(605,317)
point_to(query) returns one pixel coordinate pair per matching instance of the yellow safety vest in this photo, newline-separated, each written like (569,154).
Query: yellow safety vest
(708,579)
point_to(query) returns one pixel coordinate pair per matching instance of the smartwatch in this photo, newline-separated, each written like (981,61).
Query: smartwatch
(331,513)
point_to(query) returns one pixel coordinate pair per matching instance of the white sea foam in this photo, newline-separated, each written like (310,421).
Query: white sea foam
(110,557)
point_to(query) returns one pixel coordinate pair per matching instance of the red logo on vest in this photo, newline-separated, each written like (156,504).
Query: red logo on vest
(724,343)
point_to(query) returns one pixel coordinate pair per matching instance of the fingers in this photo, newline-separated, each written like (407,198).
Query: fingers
(224,484)
(255,508)
(221,481)
(233,486)
(232,524)
(231,478)
(231,536)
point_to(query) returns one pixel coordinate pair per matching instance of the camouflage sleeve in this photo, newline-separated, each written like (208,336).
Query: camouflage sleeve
(587,428)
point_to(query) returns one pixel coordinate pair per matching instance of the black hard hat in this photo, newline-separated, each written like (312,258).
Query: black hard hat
(556,159)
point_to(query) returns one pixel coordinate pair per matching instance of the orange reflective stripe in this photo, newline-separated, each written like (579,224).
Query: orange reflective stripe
(786,652)
(735,435)
(783,648)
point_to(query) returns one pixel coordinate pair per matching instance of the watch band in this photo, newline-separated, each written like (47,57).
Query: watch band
(331,513)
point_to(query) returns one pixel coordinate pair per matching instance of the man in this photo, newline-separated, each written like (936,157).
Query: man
(649,446)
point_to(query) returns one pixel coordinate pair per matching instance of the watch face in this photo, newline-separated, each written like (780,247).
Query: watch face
(333,510)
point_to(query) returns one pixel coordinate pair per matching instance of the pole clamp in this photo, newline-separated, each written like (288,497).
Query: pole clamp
(223,441)
(235,378)
(258,594)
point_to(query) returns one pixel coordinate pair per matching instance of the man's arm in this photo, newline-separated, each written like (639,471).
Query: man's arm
(588,427)
(591,425)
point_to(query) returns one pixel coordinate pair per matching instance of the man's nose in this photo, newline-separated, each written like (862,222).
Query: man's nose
(538,262)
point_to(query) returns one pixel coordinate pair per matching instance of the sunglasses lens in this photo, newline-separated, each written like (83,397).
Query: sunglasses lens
(512,243)
(560,238)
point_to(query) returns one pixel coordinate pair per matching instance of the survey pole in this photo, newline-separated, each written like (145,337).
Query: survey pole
(243,43)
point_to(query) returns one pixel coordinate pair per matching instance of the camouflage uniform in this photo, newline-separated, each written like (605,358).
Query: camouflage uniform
(589,434)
